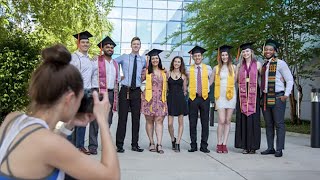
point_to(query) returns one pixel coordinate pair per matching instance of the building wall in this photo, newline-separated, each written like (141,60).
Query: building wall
(153,21)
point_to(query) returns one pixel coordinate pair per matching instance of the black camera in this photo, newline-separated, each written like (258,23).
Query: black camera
(86,105)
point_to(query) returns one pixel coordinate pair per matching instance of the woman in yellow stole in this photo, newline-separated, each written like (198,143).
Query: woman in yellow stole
(154,100)
(225,98)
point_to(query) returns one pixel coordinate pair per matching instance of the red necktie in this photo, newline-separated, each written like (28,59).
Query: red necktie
(199,86)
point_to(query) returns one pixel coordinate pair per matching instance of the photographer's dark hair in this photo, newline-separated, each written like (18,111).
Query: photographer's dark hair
(54,77)
(150,67)
(182,66)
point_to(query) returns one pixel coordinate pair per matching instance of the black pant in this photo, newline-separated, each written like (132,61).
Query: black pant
(274,117)
(134,102)
(194,106)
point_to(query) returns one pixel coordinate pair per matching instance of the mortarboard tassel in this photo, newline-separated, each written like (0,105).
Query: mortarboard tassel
(190,60)
(147,61)
(218,57)
(264,44)
(78,44)
(238,55)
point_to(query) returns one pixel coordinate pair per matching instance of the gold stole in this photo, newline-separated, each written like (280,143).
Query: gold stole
(230,85)
(148,95)
(204,82)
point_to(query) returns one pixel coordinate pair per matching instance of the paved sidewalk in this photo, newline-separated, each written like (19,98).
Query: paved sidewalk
(300,161)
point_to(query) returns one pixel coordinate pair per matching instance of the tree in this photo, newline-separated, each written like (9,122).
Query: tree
(29,25)
(233,22)
(56,20)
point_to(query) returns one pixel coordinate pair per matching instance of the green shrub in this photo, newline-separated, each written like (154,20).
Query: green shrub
(19,55)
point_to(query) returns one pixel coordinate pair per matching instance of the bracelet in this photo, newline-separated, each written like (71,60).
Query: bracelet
(65,131)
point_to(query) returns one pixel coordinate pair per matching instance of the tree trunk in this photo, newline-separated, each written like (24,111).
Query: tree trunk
(300,101)
(293,107)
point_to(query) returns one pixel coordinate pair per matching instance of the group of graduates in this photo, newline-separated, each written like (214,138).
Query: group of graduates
(246,87)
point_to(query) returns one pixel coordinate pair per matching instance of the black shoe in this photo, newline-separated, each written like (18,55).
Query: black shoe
(177,149)
(137,149)
(193,150)
(120,150)
(205,150)
(278,153)
(93,151)
(268,151)
(174,144)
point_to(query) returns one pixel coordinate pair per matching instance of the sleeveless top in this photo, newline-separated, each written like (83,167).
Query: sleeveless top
(18,124)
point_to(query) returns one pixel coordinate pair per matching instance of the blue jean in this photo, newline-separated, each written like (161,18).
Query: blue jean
(80,133)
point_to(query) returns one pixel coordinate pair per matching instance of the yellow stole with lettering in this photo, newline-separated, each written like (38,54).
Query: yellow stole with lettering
(204,82)
(230,84)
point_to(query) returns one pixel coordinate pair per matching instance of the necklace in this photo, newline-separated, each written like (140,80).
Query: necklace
(176,75)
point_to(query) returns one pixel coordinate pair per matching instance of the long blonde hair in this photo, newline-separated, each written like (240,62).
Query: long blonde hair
(241,58)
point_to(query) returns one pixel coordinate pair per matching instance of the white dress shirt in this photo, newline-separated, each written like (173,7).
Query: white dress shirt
(83,63)
(283,72)
(110,74)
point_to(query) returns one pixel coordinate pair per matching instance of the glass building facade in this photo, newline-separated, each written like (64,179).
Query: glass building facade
(153,21)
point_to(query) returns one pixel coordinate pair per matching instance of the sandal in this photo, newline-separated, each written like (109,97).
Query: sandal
(159,151)
(152,147)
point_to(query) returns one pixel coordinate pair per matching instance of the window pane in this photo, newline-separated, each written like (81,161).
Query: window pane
(174,5)
(145,3)
(158,46)
(158,32)
(174,15)
(128,30)
(159,4)
(116,29)
(115,13)
(129,3)
(129,13)
(125,48)
(117,48)
(144,31)
(171,28)
(145,14)
(160,15)
(117,3)
(186,49)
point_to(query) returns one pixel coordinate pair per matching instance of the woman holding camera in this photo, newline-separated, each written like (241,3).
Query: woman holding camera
(29,147)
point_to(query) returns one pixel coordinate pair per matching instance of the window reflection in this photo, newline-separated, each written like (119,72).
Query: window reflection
(159,4)
(174,15)
(145,14)
(116,29)
(129,3)
(171,28)
(158,31)
(115,13)
(129,13)
(160,15)
(145,3)
(144,30)
(117,3)
(128,30)
(174,5)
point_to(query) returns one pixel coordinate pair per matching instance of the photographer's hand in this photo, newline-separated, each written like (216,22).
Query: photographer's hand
(101,108)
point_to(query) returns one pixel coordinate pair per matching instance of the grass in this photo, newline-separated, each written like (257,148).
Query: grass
(303,128)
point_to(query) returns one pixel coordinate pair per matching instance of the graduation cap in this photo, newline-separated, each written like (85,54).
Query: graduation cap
(246,45)
(106,40)
(197,49)
(83,35)
(224,48)
(272,43)
(154,52)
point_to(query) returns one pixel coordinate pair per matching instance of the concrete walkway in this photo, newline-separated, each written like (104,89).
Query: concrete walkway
(300,161)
